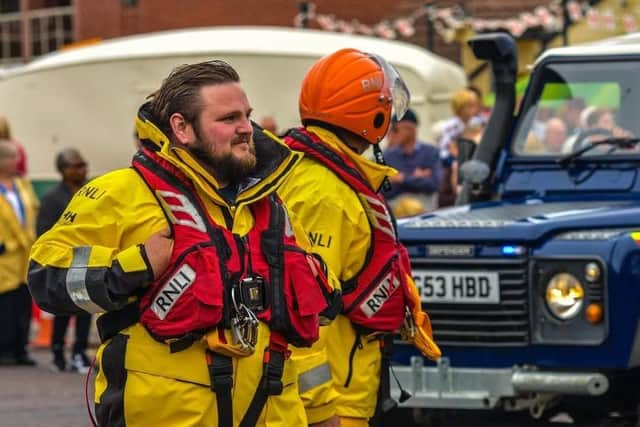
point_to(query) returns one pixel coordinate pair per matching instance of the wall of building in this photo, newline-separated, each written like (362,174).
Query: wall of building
(113,18)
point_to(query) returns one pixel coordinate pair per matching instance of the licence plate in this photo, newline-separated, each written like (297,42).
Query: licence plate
(470,287)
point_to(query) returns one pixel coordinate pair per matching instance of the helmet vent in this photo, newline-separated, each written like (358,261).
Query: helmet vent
(378,120)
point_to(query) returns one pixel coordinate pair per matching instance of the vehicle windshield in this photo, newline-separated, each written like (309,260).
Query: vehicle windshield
(575,105)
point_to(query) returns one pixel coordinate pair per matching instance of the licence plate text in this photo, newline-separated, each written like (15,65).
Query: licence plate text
(471,287)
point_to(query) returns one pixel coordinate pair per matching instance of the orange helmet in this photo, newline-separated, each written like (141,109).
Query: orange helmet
(355,91)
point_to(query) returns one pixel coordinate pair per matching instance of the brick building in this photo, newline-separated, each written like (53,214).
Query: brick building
(29,28)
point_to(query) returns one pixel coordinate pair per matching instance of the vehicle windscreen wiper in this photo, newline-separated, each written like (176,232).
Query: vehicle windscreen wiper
(617,142)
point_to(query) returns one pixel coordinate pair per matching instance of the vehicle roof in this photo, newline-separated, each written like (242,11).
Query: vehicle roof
(238,40)
(623,45)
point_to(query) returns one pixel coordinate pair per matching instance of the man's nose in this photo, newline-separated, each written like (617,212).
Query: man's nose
(245,126)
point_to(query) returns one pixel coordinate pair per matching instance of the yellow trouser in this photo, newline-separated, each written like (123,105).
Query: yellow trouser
(141,384)
(355,366)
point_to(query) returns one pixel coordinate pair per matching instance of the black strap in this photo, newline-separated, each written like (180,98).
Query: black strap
(221,375)
(184,342)
(385,402)
(111,323)
(270,385)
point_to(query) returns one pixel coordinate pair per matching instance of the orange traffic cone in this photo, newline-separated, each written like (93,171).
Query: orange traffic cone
(45,328)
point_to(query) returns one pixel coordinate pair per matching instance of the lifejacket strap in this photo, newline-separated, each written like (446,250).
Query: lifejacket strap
(221,375)
(183,342)
(271,383)
(111,323)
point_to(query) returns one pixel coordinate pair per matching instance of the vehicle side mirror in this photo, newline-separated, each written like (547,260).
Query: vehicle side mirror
(475,172)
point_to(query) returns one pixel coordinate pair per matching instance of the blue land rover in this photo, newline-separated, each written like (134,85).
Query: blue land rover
(533,280)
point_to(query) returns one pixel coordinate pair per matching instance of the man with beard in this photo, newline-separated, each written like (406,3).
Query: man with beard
(198,316)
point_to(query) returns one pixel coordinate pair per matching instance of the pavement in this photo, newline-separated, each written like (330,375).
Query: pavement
(37,396)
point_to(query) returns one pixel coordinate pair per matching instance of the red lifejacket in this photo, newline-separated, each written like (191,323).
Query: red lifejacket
(376,297)
(267,271)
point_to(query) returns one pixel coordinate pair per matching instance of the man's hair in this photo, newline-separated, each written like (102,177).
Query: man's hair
(63,157)
(180,91)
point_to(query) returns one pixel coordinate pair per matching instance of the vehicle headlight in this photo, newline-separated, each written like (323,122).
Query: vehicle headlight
(564,296)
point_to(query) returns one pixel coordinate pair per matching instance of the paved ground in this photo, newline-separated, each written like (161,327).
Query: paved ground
(37,397)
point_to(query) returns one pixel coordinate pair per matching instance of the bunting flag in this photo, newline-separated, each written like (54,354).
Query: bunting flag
(448,20)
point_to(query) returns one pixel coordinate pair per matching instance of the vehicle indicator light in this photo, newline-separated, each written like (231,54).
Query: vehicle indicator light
(592,271)
(594,313)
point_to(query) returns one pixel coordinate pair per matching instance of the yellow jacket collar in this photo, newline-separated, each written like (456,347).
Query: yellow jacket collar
(373,172)
(275,160)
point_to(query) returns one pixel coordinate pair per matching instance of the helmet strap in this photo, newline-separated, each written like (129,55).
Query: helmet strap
(377,153)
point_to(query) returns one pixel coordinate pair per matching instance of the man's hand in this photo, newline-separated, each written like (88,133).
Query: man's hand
(422,173)
(158,248)
(397,178)
(331,422)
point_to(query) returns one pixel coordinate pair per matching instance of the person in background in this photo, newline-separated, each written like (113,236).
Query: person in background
(484,111)
(462,150)
(18,207)
(465,104)
(5,133)
(571,112)
(269,123)
(555,135)
(73,170)
(418,164)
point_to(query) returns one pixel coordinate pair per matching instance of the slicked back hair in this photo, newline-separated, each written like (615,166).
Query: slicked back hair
(180,91)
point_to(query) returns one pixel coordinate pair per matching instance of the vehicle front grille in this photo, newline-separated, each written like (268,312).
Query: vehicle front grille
(488,325)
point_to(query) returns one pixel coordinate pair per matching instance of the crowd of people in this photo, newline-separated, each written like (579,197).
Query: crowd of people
(23,218)
(428,171)
(569,126)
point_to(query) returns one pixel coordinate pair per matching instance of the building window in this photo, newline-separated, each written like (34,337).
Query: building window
(9,6)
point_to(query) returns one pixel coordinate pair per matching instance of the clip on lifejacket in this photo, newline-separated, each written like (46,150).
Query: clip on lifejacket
(244,325)
(221,375)
(408,331)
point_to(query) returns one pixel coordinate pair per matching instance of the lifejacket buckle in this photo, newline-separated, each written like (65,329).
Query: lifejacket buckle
(244,325)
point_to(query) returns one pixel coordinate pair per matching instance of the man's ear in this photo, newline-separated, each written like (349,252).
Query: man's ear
(182,129)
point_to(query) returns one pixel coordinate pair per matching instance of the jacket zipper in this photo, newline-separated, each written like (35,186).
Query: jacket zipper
(357,344)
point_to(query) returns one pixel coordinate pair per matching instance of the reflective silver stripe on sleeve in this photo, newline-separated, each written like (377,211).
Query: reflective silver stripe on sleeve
(314,377)
(76,281)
